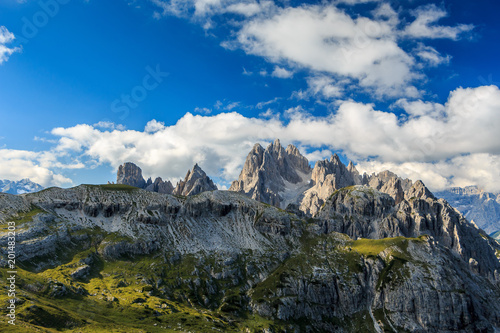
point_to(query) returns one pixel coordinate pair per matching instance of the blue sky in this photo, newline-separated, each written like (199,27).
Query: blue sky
(87,85)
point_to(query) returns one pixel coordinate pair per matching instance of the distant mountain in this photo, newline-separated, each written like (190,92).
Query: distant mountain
(476,205)
(19,187)
(195,182)
(496,235)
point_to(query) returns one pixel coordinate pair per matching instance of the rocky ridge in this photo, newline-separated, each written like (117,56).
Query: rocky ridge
(282,177)
(273,175)
(195,182)
(380,254)
(365,263)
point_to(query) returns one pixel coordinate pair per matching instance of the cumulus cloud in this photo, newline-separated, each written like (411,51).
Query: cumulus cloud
(324,86)
(326,39)
(455,143)
(6,37)
(281,73)
(154,126)
(424,24)
(19,164)
(430,55)
(371,49)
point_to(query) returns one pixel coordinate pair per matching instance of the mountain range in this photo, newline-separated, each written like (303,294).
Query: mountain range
(288,248)
(479,206)
(195,181)
(19,187)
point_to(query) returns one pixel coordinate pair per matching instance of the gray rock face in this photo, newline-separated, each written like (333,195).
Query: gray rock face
(160,186)
(301,271)
(390,183)
(327,176)
(362,212)
(275,175)
(195,182)
(283,177)
(476,205)
(130,174)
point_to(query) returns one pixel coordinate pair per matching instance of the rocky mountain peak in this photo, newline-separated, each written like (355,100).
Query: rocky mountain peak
(130,174)
(195,182)
(273,175)
(160,186)
(335,159)
(419,190)
(327,177)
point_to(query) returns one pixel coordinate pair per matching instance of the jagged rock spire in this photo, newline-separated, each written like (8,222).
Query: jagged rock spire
(130,174)
(195,182)
(268,173)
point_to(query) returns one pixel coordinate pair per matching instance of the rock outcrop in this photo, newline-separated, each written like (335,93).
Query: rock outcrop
(274,175)
(362,212)
(195,182)
(159,186)
(284,179)
(130,174)
(327,176)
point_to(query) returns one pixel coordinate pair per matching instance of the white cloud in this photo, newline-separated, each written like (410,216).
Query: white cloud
(355,2)
(424,24)
(454,143)
(430,55)
(421,108)
(154,126)
(231,106)
(325,39)
(324,86)
(19,164)
(281,73)
(6,37)
(206,8)
(202,110)
(246,9)
(371,49)
(104,124)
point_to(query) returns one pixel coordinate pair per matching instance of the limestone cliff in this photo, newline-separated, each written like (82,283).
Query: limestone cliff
(274,175)
(364,264)
(195,182)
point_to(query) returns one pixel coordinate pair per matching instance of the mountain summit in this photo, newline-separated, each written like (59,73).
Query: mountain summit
(195,182)
(283,177)
(275,175)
